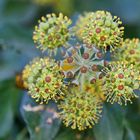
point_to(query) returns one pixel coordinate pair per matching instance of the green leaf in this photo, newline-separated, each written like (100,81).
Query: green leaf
(110,127)
(9,97)
(66,135)
(42,120)
(16,49)
(6,119)
(22,135)
(132,120)
(129,134)
(17,11)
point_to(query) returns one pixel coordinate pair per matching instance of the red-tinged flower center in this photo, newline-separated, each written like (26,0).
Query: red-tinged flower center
(121,76)
(120,87)
(48,79)
(46,90)
(99,55)
(100,76)
(70,74)
(90,33)
(132,51)
(69,59)
(37,90)
(93,81)
(85,55)
(84,69)
(102,38)
(94,68)
(98,30)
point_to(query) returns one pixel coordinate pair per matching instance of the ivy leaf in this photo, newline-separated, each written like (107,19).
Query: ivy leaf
(17,11)
(110,126)
(42,120)
(129,134)
(9,97)
(22,135)
(67,134)
(132,119)
(16,49)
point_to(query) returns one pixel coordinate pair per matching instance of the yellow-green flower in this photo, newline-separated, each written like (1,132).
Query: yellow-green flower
(52,32)
(100,29)
(130,51)
(83,63)
(27,71)
(44,80)
(81,109)
(82,22)
(120,81)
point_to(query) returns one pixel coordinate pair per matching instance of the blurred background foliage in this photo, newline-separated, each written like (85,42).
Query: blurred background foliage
(17,20)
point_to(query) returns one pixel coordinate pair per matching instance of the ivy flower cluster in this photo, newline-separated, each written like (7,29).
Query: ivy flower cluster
(131,52)
(120,82)
(52,32)
(83,80)
(44,80)
(101,29)
(81,108)
(83,63)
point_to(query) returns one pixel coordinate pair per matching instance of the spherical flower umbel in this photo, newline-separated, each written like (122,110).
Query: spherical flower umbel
(120,81)
(130,50)
(101,29)
(27,71)
(81,63)
(82,22)
(52,32)
(81,109)
(45,81)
